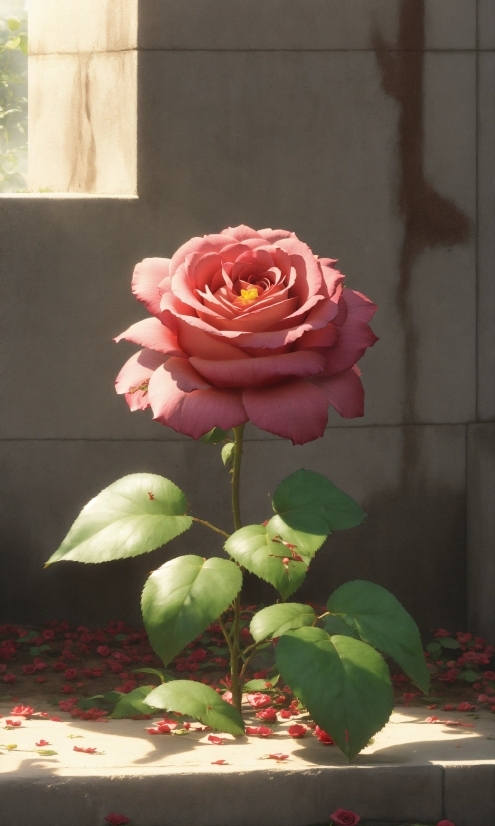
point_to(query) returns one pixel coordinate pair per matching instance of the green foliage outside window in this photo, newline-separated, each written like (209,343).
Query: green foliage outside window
(13,98)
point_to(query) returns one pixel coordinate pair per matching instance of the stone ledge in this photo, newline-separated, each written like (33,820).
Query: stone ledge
(412,772)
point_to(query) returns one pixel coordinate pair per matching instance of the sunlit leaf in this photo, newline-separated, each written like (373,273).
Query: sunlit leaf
(198,701)
(252,548)
(308,508)
(183,597)
(382,622)
(133,516)
(277,619)
(344,684)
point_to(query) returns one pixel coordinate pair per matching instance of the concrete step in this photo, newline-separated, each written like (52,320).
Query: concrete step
(413,772)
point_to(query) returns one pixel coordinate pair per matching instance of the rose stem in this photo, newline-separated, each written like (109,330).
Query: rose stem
(236,510)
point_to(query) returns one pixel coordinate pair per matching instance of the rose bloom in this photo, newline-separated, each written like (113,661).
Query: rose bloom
(343,817)
(248,325)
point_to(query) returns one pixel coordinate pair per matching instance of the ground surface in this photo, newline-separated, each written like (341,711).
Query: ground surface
(64,762)
(59,663)
(416,770)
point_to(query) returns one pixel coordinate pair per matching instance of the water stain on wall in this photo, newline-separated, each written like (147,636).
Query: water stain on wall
(430,219)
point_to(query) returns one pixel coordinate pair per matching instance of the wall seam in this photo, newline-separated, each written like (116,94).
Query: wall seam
(453,50)
(477,256)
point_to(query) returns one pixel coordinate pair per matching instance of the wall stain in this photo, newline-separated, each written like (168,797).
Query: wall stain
(81,137)
(430,219)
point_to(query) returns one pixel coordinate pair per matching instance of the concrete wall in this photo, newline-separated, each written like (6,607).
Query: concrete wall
(367,127)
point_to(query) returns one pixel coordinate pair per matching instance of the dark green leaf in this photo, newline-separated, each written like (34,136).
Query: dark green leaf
(228,451)
(158,672)
(308,508)
(276,619)
(214,436)
(120,637)
(381,621)
(449,642)
(336,625)
(432,647)
(198,701)
(103,701)
(469,676)
(252,548)
(134,515)
(29,636)
(184,597)
(133,703)
(344,684)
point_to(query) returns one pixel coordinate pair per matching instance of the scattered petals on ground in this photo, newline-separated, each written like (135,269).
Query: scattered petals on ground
(217,741)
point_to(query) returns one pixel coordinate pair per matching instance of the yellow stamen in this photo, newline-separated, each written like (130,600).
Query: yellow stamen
(248,296)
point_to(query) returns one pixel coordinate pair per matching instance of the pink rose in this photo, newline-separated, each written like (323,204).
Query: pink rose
(248,325)
(343,817)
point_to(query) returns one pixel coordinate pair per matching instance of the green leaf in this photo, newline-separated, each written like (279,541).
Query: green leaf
(198,701)
(120,637)
(432,647)
(449,642)
(28,637)
(262,685)
(183,597)
(215,436)
(382,622)
(308,508)
(470,676)
(46,752)
(344,684)
(12,44)
(276,619)
(158,672)
(256,685)
(133,703)
(133,516)
(228,451)
(336,625)
(104,701)
(23,43)
(13,23)
(252,548)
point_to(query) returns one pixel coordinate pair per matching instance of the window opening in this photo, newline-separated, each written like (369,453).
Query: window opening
(13,95)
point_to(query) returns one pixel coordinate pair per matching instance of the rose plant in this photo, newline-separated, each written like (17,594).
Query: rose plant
(252,326)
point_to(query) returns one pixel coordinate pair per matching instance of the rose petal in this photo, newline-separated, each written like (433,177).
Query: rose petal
(297,410)
(241,233)
(274,235)
(344,392)
(151,333)
(324,337)
(208,243)
(135,373)
(196,342)
(355,335)
(147,276)
(257,372)
(196,412)
(255,320)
